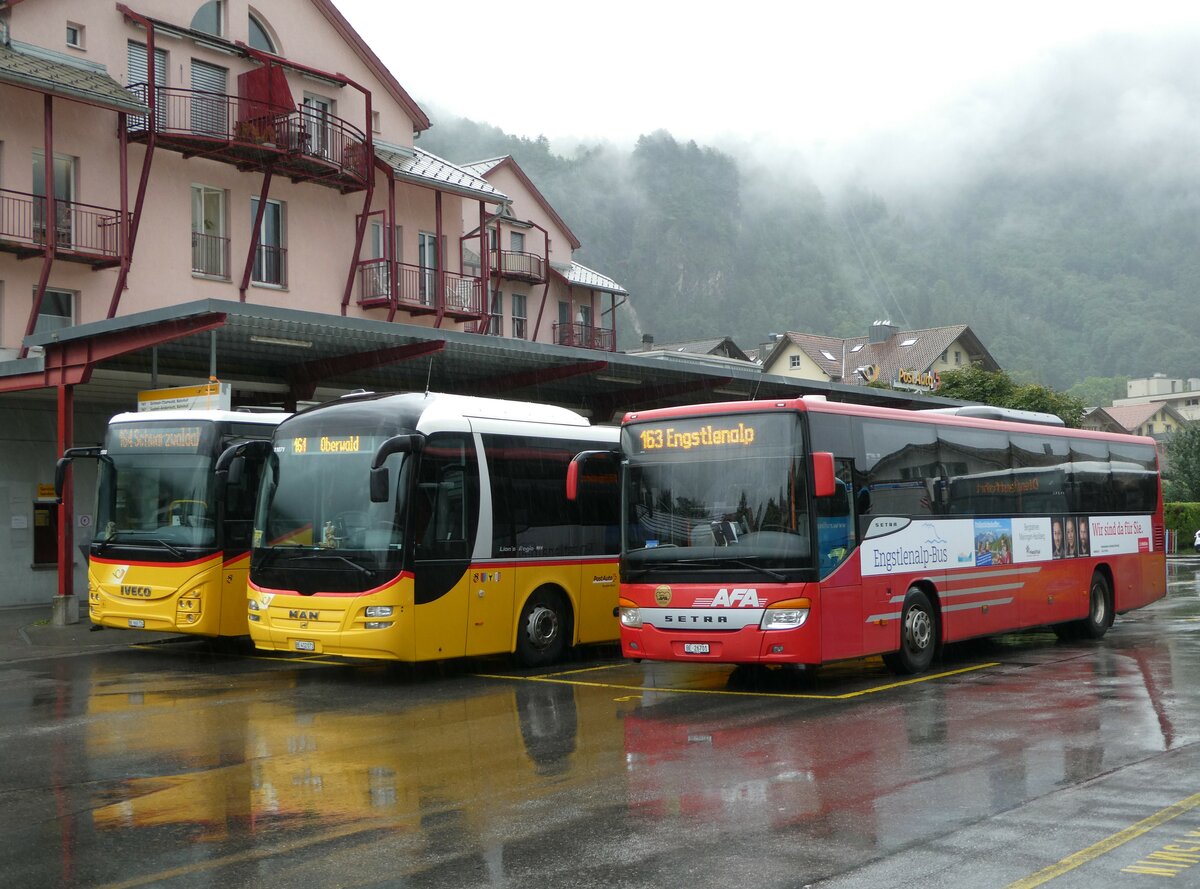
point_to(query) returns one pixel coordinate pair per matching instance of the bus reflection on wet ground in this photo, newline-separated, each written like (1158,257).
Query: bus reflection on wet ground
(177,765)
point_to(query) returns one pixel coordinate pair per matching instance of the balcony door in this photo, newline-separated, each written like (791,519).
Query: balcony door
(270,259)
(427,259)
(137,60)
(64,194)
(210,245)
(318,114)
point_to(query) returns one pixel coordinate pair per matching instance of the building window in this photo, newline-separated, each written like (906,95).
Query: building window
(957,357)
(210,102)
(517,242)
(64,196)
(794,362)
(270,259)
(375,122)
(74,35)
(57,311)
(210,18)
(210,246)
(427,260)
(496,321)
(518,316)
(317,138)
(260,37)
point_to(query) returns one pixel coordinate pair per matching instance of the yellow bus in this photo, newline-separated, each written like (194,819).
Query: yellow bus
(420,527)
(171,551)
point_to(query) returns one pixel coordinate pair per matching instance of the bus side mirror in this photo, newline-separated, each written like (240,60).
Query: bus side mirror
(412,443)
(824,481)
(231,465)
(60,468)
(579,464)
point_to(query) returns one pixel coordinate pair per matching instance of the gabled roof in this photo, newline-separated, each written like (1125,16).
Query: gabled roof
(723,346)
(915,350)
(31,67)
(581,276)
(1100,418)
(485,167)
(422,168)
(1131,416)
(366,54)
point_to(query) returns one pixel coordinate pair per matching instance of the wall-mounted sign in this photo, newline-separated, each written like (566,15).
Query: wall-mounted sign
(208,396)
(911,379)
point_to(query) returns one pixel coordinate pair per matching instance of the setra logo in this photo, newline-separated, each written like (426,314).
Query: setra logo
(304,615)
(138,592)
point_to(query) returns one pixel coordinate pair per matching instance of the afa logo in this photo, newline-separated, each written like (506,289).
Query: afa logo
(738,597)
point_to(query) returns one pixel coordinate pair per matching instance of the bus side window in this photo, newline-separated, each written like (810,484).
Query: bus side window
(445,512)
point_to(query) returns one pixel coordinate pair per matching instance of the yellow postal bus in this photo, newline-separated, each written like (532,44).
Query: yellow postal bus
(419,527)
(171,550)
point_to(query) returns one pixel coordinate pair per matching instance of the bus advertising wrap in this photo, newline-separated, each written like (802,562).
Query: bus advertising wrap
(940,545)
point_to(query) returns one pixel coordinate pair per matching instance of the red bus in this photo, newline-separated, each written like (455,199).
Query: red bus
(805,531)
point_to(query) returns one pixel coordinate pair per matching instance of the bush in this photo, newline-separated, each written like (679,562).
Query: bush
(1183,518)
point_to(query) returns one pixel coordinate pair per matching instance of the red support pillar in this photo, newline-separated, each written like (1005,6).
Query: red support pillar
(66,509)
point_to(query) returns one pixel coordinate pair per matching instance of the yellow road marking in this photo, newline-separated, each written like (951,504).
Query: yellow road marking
(1107,845)
(249,855)
(587,669)
(642,689)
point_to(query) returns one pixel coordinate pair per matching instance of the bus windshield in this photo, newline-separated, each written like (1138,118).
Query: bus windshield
(727,492)
(155,486)
(315,499)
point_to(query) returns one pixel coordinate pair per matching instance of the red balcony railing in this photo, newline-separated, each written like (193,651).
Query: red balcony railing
(461,295)
(210,255)
(301,142)
(515,264)
(585,336)
(81,232)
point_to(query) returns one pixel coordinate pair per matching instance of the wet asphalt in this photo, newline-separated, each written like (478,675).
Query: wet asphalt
(134,759)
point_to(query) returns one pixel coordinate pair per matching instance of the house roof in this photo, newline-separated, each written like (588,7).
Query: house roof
(915,350)
(485,167)
(34,68)
(422,168)
(1131,416)
(724,346)
(1100,418)
(581,276)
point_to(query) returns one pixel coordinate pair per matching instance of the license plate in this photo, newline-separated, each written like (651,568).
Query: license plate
(137,623)
(305,645)
(695,648)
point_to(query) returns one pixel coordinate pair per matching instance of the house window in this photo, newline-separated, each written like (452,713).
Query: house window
(210,105)
(260,37)
(64,195)
(57,311)
(210,246)
(496,321)
(317,138)
(270,259)
(210,18)
(427,259)
(74,35)
(794,362)
(957,357)
(518,316)
(517,242)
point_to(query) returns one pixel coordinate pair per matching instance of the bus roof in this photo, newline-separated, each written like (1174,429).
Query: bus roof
(432,406)
(818,404)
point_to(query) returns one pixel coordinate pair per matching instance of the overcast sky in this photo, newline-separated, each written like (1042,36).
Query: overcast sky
(786,72)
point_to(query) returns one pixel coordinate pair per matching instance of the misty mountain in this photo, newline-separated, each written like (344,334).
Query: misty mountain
(1057,213)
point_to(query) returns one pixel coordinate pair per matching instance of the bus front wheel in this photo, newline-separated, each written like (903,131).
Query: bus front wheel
(542,629)
(918,635)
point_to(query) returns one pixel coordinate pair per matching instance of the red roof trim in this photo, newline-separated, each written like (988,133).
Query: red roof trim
(419,118)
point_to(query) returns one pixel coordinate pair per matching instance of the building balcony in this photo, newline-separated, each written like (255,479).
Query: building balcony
(584,336)
(81,232)
(300,143)
(418,290)
(519,266)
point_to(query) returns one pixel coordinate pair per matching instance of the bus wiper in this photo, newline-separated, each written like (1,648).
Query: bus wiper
(328,555)
(175,551)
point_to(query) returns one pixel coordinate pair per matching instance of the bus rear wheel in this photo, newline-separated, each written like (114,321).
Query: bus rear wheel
(1100,615)
(542,629)
(918,635)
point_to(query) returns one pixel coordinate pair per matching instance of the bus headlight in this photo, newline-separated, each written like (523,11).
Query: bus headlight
(787,615)
(253,605)
(379,611)
(631,616)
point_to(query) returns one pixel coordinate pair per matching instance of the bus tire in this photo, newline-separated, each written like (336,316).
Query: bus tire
(542,629)
(1100,613)
(918,635)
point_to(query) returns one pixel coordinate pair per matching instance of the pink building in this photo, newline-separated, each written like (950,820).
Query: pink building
(214,150)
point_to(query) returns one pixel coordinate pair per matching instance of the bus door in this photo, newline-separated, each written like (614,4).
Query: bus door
(445,521)
(841,617)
